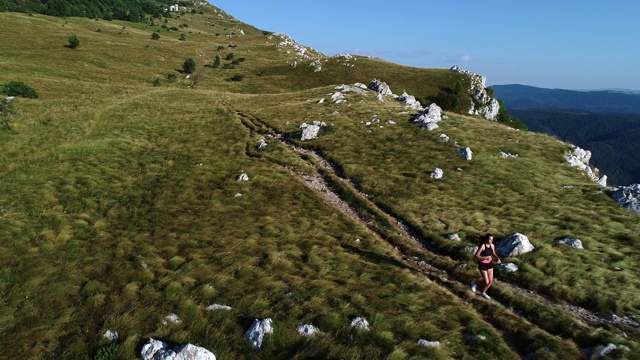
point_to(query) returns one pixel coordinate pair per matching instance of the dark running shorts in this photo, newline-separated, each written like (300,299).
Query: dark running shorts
(482,266)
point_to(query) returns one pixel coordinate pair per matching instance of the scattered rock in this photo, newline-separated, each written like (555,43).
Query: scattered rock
(159,350)
(507,155)
(429,117)
(360,323)
(243,177)
(111,335)
(437,173)
(466,153)
(628,197)
(410,100)
(218,307)
(509,267)
(444,137)
(321,101)
(454,237)
(257,331)
(425,343)
(380,87)
(571,242)
(262,144)
(307,330)
(172,318)
(514,244)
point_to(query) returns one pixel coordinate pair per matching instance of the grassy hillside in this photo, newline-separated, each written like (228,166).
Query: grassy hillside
(121,206)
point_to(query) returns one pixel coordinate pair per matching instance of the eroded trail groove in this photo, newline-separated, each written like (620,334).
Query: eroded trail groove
(492,310)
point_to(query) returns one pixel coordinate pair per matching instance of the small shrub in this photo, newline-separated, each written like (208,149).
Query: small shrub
(241,59)
(189,65)
(171,77)
(155,36)
(237,77)
(74,41)
(182,37)
(173,28)
(18,88)
(109,352)
(156,82)
(230,56)
(197,78)
(220,47)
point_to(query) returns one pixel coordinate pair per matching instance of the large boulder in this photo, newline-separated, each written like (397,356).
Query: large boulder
(310,132)
(257,331)
(429,117)
(410,100)
(514,244)
(628,197)
(380,87)
(360,323)
(159,350)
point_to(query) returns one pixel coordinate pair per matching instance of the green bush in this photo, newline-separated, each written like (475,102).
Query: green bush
(156,82)
(74,41)
(237,77)
(109,352)
(155,36)
(230,56)
(189,65)
(18,88)
(182,37)
(171,77)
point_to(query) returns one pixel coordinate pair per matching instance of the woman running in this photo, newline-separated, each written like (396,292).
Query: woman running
(485,254)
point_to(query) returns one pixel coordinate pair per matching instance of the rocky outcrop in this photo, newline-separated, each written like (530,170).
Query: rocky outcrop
(628,197)
(380,87)
(509,267)
(257,331)
(488,106)
(430,117)
(437,173)
(310,132)
(426,343)
(159,350)
(410,100)
(579,158)
(514,244)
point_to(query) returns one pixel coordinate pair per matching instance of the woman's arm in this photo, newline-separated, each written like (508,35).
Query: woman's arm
(495,255)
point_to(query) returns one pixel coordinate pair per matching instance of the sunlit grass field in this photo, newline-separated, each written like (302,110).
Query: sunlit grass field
(120,205)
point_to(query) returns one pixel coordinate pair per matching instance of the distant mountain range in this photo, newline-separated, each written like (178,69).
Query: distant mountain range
(606,122)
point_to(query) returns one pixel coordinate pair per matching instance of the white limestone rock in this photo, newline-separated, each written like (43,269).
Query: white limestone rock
(380,87)
(509,267)
(310,132)
(111,335)
(426,343)
(628,197)
(444,138)
(307,330)
(429,117)
(360,323)
(159,350)
(514,244)
(437,173)
(243,177)
(171,318)
(321,101)
(257,331)
(410,100)
(218,307)
(262,144)
(508,155)
(466,153)
(454,237)
(571,242)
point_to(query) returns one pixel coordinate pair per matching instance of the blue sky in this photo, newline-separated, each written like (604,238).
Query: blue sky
(567,44)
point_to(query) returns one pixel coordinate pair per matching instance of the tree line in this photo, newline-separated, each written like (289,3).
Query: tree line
(129,10)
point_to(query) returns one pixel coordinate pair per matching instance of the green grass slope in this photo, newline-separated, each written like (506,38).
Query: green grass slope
(120,206)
